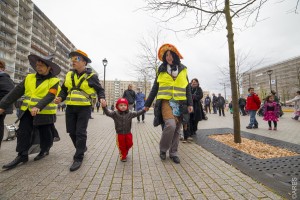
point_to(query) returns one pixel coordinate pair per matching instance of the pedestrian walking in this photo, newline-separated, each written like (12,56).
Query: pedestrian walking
(271,111)
(38,110)
(198,113)
(221,104)
(79,85)
(296,101)
(174,100)
(112,107)
(129,94)
(123,119)
(242,104)
(98,106)
(6,85)
(207,102)
(140,103)
(214,103)
(252,105)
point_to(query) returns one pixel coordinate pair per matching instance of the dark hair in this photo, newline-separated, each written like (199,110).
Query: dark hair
(298,92)
(268,97)
(176,60)
(43,62)
(194,79)
(2,64)
(250,89)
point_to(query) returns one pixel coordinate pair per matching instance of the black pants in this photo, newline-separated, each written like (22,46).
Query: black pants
(221,110)
(2,117)
(143,117)
(25,134)
(193,126)
(77,118)
(270,124)
(242,108)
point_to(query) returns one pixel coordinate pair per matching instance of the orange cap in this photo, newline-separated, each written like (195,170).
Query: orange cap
(167,47)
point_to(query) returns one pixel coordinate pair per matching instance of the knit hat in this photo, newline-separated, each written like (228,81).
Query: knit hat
(121,100)
(167,47)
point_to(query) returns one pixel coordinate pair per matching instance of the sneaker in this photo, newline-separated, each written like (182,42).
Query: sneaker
(270,128)
(175,159)
(124,159)
(255,126)
(181,138)
(248,127)
(275,128)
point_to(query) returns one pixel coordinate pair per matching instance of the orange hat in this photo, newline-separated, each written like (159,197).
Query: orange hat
(167,47)
(80,53)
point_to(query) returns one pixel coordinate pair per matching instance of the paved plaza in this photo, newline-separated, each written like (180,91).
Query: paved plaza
(200,175)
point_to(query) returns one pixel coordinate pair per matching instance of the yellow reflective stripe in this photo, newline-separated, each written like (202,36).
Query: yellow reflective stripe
(165,88)
(165,93)
(179,95)
(77,99)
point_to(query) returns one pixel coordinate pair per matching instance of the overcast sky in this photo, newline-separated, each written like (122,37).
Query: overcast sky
(112,30)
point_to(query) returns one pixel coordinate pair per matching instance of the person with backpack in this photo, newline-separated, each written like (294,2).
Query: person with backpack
(207,102)
(79,85)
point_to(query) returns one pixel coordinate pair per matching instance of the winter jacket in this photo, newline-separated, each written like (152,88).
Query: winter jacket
(207,101)
(253,102)
(19,90)
(140,101)
(220,101)
(130,96)
(6,85)
(197,95)
(122,119)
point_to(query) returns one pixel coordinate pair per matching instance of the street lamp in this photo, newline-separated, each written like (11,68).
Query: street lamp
(104,61)
(269,72)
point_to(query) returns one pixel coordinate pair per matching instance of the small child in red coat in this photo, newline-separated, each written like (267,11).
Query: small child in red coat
(123,119)
(271,111)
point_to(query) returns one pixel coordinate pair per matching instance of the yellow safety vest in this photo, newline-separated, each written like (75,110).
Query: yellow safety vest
(169,88)
(81,96)
(34,94)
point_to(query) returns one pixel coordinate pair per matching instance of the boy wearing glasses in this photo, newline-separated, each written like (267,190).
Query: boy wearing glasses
(78,90)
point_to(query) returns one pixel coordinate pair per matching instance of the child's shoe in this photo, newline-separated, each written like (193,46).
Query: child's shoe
(124,159)
(275,128)
(270,128)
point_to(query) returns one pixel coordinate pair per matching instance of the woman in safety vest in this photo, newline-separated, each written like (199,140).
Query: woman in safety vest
(174,99)
(37,109)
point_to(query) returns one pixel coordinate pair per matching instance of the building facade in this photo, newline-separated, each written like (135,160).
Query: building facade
(283,77)
(25,29)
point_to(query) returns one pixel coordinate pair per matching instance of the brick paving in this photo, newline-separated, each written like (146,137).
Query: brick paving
(201,175)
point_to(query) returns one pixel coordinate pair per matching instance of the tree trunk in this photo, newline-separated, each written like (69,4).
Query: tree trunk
(234,92)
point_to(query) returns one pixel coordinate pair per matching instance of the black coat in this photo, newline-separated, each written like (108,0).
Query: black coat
(130,96)
(6,85)
(197,95)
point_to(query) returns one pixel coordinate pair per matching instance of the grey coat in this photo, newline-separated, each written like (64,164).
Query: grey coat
(122,119)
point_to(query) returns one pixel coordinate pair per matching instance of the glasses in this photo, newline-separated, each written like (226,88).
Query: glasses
(76,59)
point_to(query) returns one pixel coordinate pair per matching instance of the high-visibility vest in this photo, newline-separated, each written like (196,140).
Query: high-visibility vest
(170,88)
(35,94)
(79,91)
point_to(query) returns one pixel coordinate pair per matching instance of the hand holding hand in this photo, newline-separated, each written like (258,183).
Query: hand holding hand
(1,111)
(146,109)
(103,103)
(34,111)
(190,109)
(57,100)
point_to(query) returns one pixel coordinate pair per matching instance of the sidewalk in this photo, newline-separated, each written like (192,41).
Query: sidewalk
(200,175)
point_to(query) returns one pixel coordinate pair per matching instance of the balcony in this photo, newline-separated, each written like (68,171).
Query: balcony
(23,47)
(7,37)
(8,9)
(8,28)
(23,38)
(40,50)
(22,55)
(7,18)
(8,48)
(25,5)
(24,21)
(14,3)
(24,29)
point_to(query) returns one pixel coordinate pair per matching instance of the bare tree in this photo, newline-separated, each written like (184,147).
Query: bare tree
(243,65)
(213,14)
(147,61)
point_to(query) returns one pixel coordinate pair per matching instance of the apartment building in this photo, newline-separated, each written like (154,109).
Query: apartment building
(114,89)
(283,77)
(25,29)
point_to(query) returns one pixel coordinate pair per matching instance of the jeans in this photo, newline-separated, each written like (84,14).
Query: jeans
(253,121)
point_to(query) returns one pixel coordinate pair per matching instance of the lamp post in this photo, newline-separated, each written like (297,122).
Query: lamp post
(104,61)
(269,72)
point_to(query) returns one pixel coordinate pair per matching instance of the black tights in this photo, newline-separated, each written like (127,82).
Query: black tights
(270,123)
